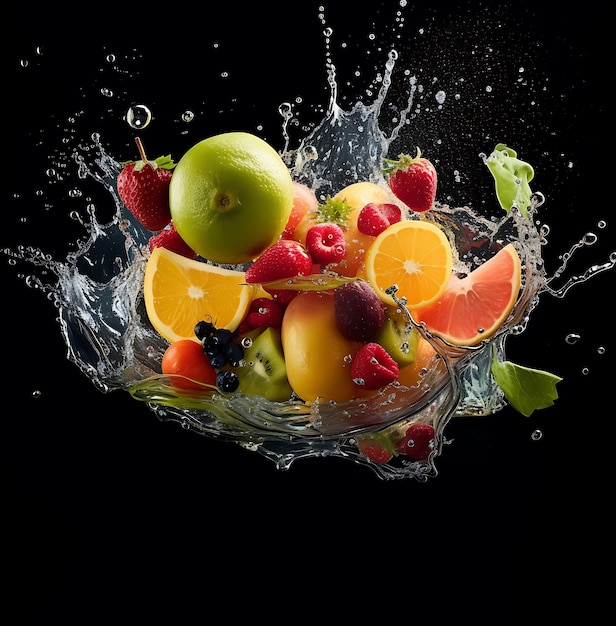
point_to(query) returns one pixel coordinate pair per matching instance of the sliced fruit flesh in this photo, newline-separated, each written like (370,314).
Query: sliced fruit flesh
(416,257)
(473,308)
(180,292)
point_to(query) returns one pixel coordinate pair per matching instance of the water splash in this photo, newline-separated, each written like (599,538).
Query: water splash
(97,292)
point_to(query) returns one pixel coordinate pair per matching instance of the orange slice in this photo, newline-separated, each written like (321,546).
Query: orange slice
(413,255)
(179,292)
(473,308)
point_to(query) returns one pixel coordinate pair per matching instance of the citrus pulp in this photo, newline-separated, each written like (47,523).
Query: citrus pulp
(412,255)
(179,292)
(474,307)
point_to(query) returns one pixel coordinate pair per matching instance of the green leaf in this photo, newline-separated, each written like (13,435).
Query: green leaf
(526,389)
(512,177)
(311,282)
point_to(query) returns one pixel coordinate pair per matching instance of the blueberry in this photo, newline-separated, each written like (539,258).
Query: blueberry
(235,354)
(203,329)
(218,359)
(227,381)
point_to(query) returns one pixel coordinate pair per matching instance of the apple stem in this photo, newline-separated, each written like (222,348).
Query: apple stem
(141,149)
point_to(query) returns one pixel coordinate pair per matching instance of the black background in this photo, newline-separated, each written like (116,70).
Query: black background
(108,511)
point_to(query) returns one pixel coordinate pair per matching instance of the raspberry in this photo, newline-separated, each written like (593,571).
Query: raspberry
(418,441)
(264,312)
(373,367)
(373,219)
(326,243)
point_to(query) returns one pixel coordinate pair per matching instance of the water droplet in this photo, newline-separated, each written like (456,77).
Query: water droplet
(589,239)
(572,338)
(601,350)
(585,371)
(110,58)
(536,435)
(440,97)
(105,91)
(36,393)
(601,224)
(310,152)
(138,116)
(188,116)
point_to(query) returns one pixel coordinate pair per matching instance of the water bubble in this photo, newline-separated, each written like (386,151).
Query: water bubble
(286,110)
(36,393)
(138,116)
(105,91)
(585,371)
(572,338)
(310,152)
(536,435)
(110,58)
(589,239)
(440,97)
(601,224)
(601,350)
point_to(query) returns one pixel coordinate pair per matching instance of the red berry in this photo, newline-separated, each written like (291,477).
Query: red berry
(265,312)
(413,180)
(371,448)
(143,187)
(170,239)
(373,367)
(284,259)
(373,219)
(326,243)
(418,441)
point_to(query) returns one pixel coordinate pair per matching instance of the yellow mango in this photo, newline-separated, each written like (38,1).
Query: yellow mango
(318,357)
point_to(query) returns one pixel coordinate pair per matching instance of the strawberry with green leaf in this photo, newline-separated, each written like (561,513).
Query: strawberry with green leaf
(143,187)
(412,180)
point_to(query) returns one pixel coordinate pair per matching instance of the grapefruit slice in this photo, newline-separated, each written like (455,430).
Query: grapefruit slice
(179,292)
(473,308)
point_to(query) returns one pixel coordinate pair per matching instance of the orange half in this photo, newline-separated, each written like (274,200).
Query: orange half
(473,308)
(179,292)
(413,255)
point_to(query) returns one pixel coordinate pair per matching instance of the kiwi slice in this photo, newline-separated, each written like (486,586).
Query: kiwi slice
(398,337)
(263,372)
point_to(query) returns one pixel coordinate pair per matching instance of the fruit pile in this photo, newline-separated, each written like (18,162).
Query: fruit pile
(261,289)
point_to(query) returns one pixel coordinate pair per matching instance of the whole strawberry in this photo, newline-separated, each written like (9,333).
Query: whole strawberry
(143,187)
(412,180)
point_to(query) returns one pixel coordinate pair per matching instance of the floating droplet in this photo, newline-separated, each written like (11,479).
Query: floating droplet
(536,435)
(585,371)
(601,350)
(36,393)
(138,116)
(188,116)
(572,338)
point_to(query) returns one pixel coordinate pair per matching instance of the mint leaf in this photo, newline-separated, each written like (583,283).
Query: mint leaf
(512,177)
(526,389)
